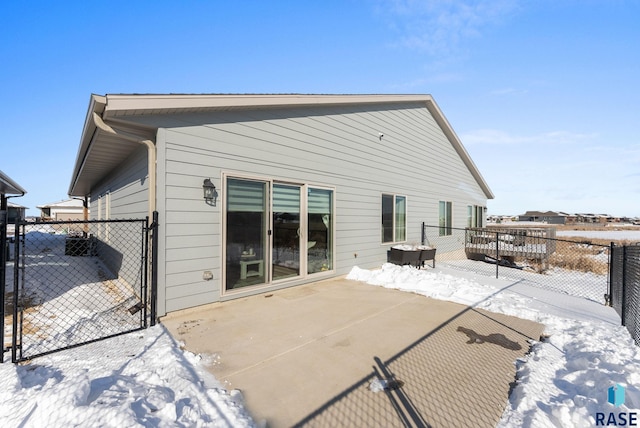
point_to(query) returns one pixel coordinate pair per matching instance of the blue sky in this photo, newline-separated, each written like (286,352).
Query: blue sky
(543,94)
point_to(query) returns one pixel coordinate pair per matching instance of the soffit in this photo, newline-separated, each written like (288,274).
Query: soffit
(105,153)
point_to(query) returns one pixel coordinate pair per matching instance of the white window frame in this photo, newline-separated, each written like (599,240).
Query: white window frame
(394,224)
(446,217)
(475,216)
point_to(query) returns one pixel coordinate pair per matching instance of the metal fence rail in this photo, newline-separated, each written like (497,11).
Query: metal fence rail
(77,282)
(625,286)
(531,255)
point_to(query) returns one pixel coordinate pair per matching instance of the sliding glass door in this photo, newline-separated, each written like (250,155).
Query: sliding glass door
(286,231)
(275,231)
(246,233)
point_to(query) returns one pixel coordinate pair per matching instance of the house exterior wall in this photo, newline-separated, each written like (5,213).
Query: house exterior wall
(335,146)
(66,214)
(127,188)
(122,195)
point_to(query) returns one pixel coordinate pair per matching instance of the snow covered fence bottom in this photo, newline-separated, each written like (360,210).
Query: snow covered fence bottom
(134,380)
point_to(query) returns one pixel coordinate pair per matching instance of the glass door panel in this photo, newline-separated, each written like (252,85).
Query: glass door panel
(246,237)
(286,231)
(320,229)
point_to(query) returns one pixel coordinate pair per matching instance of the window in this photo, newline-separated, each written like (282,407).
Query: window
(474,215)
(444,218)
(394,218)
(479,215)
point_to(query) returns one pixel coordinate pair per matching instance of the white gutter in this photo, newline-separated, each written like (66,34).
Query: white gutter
(151,155)
(10,187)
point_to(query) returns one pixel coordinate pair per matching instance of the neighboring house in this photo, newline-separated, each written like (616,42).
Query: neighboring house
(306,186)
(15,212)
(8,188)
(9,211)
(591,218)
(550,217)
(499,218)
(70,209)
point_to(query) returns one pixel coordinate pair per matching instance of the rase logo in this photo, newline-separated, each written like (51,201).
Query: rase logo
(615,396)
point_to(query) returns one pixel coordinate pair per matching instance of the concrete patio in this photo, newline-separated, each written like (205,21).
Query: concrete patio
(307,356)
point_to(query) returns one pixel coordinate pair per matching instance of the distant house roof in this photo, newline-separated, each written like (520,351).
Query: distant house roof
(102,148)
(10,187)
(12,205)
(69,203)
(543,214)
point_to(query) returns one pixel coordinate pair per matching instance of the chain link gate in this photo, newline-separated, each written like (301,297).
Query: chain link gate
(77,282)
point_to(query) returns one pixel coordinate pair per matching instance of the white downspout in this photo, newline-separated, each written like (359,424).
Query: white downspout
(151,156)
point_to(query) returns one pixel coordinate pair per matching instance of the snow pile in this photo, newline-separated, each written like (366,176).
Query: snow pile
(564,380)
(138,379)
(428,283)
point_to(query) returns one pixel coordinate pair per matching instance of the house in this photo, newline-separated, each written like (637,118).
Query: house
(15,212)
(70,209)
(8,188)
(550,217)
(259,192)
(592,218)
(9,211)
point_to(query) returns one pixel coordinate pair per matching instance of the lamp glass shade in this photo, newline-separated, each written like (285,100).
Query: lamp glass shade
(208,189)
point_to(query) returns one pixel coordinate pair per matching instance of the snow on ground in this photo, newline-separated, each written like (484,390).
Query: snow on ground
(138,379)
(564,380)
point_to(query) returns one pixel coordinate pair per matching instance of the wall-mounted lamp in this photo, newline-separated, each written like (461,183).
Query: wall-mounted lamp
(210,193)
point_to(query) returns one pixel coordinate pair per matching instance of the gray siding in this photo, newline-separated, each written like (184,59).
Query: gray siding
(333,146)
(127,189)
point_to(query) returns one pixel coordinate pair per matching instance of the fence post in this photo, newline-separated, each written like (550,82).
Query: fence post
(145,271)
(16,309)
(154,268)
(610,293)
(623,312)
(422,236)
(497,253)
(4,217)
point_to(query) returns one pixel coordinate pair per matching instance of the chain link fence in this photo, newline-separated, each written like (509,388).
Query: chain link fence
(533,256)
(75,282)
(625,286)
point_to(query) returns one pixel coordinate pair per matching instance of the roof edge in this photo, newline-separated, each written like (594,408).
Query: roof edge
(446,127)
(120,103)
(10,187)
(97,104)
